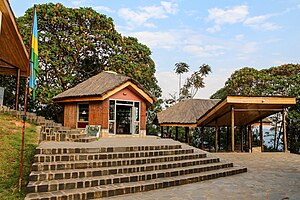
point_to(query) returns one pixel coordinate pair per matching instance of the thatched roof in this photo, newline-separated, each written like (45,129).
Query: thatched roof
(98,85)
(186,112)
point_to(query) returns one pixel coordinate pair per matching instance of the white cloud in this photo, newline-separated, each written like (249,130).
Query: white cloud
(78,2)
(141,16)
(164,40)
(214,29)
(230,16)
(239,14)
(102,9)
(239,37)
(204,51)
(259,22)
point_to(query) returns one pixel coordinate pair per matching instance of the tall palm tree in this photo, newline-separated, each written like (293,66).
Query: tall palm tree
(181,68)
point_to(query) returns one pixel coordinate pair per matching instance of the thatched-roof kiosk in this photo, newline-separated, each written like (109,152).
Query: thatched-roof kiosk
(115,102)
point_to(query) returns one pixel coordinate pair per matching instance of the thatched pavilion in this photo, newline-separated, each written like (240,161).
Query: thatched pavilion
(14,58)
(233,111)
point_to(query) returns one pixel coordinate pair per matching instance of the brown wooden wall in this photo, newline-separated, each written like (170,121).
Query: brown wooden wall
(70,115)
(143,115)
(95,113)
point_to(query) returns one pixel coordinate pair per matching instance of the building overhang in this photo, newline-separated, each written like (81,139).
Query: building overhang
(247,110)
(13,53)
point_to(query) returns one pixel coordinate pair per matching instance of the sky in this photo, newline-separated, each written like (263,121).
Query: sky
(225,34)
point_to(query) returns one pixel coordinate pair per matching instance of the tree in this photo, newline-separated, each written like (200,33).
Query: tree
(195,82)
(75,44)
(181,68)
(283,80)
(192,84)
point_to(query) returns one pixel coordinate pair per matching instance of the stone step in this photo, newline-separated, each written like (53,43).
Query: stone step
(111,155)
(142,175)
(85,139)
(76,165)
(104,149)
(133,187)
(74,173)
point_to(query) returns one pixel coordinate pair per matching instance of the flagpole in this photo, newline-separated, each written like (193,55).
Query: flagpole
(25,109)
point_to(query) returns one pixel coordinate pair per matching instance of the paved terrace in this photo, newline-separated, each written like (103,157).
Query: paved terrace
(270,176)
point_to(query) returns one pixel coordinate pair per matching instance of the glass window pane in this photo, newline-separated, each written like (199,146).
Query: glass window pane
(83,112)
(137,110)
(111,110)
(111,127)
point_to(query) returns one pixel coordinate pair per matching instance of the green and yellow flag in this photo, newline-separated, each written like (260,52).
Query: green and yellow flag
(34,63)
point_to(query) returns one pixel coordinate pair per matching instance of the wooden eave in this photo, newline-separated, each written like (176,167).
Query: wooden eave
(179,124)
(13,53)
(248,110)
(128,84)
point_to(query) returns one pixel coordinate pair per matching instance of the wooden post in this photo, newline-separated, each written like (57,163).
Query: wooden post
(242,139)
(187,135)
(227,138)
(17,88)
(162,131)
(232,128)
(176,133)
(202,137)
(250,138)
(284,130)
(168,134)
(216,139)
(261,135)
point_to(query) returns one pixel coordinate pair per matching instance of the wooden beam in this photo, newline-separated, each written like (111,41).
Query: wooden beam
(168,129)
(261,100)
(216,139)
(187,135)
(284,130)
(176,133)
(261,136)
(202,137)
(161,131)
(250,138)
(177,124)
(258,110)
(242,139)
(232,128)
(17,88)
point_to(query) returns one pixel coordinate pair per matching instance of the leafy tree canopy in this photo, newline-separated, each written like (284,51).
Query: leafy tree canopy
(75,44)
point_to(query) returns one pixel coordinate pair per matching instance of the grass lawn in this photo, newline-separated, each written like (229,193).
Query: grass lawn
(10,148)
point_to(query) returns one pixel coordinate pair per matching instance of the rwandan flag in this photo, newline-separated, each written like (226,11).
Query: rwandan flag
(34,63)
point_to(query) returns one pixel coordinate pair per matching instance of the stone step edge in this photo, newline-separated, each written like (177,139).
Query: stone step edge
(51,151)
(59,166)
(55,185)
(88,172)
(44,158)
(128,188)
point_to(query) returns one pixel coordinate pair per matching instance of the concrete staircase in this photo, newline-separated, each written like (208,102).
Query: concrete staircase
(50,130)
(103,170)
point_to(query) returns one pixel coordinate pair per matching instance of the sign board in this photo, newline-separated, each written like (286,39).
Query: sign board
(93,130)
(1,95)
(0,21)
